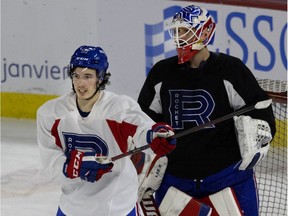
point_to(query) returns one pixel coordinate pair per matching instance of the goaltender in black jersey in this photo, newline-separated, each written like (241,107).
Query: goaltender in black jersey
(196,87)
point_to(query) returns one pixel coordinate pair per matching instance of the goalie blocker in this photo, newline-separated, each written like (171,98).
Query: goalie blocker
(177,203)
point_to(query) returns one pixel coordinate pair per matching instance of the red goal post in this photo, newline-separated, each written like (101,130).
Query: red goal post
(278,97)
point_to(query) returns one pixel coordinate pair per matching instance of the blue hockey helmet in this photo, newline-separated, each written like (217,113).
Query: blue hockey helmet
(199,30)
(90,57)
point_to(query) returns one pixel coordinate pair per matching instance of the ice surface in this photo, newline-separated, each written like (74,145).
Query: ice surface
(24,189)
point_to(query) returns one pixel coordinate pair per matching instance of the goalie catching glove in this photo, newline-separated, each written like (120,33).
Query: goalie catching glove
(158,137)
(86,165)
(253,137)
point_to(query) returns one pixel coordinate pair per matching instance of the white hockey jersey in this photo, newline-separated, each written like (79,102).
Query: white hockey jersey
(113,118)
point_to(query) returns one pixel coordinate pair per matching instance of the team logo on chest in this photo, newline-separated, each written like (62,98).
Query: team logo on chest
(193,106)
(85,142)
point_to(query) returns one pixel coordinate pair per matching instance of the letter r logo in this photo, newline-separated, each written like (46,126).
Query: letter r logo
(190,106)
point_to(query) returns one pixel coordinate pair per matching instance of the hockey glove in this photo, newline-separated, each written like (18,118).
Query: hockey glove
(158,137)
(253,136)
(86,166)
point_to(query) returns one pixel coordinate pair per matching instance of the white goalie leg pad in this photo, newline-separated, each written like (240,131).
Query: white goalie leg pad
(253,137)
(177,203)
(225,203)
(152,174)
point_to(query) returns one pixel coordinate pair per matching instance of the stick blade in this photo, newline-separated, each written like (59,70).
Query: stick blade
(263,104)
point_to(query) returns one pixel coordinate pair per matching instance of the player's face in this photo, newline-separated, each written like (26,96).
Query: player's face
(185,36)
(84,81)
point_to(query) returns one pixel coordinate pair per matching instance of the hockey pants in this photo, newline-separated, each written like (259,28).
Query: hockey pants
(242,182)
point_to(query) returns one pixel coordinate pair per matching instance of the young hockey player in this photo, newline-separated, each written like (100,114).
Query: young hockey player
(78,133)
(196,87)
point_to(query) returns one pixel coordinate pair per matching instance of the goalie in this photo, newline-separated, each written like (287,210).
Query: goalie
(196,87)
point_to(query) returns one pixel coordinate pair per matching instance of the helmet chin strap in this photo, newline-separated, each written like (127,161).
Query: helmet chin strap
(93,94)
(97,89)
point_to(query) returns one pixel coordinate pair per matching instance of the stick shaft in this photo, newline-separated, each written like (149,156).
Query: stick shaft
(212,122)
(134,151)
(259,105)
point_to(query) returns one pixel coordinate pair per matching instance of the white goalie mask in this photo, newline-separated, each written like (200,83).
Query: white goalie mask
(191,30)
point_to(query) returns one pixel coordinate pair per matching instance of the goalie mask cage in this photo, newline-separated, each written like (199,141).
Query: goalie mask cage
(271,173)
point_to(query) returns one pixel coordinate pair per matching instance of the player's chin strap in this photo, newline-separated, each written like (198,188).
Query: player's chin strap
(98,88)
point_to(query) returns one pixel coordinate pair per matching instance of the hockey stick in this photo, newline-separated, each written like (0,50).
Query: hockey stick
(260,105)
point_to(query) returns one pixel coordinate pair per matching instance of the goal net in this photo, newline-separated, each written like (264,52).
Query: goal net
(271,173)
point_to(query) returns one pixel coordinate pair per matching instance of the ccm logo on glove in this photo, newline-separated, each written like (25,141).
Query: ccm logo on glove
(85,165)
(77,163)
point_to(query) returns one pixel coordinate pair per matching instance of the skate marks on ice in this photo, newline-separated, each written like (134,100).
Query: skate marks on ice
(25,190)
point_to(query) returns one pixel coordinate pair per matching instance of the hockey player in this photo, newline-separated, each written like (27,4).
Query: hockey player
(78,133)
(198,86)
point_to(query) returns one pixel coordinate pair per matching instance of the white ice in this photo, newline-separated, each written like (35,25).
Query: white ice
(24,189)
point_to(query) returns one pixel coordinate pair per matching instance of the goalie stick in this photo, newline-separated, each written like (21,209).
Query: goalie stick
(259,105)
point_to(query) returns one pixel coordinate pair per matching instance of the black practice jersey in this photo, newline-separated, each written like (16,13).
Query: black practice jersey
(187,97)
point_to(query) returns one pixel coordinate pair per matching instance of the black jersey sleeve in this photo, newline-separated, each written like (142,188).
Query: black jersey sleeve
(246,85)
(159,73)
(147,94)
